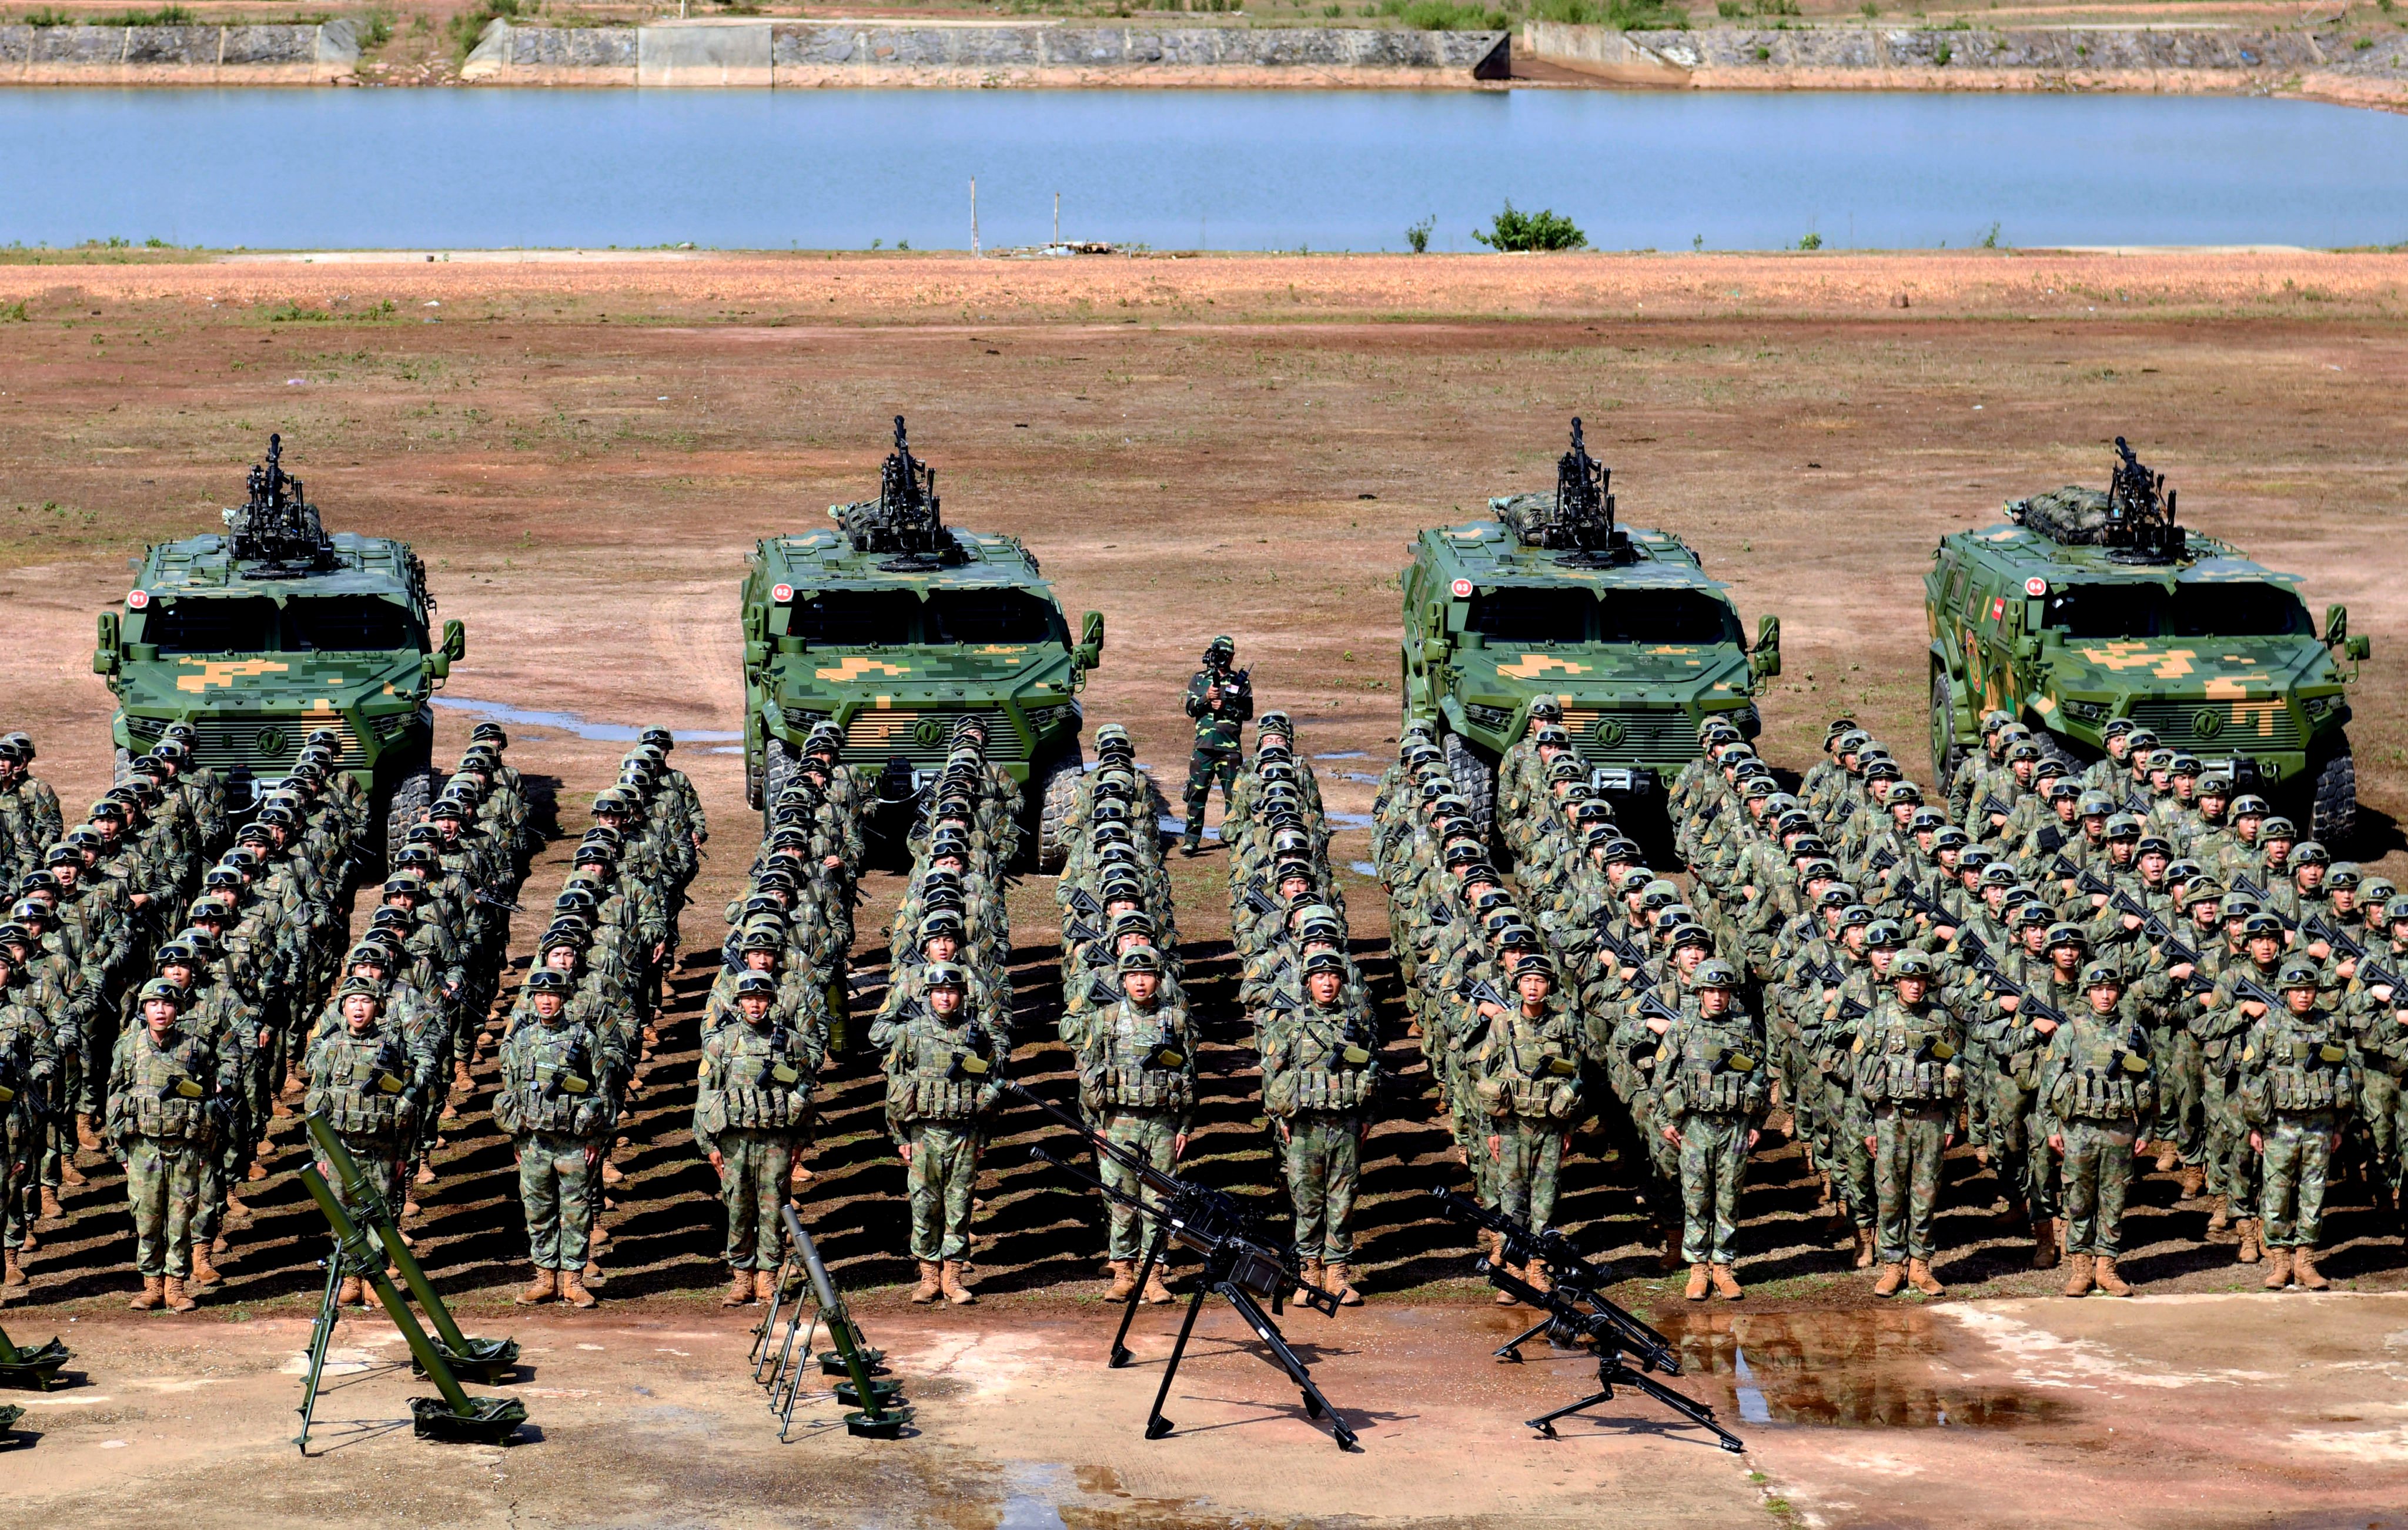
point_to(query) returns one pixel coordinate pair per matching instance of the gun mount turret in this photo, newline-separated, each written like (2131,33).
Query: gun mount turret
(1577,518)
(278,530)
(905,517)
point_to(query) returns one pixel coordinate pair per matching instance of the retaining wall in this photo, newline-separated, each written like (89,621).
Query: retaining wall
(970,54)
(179,55)
(2173,60)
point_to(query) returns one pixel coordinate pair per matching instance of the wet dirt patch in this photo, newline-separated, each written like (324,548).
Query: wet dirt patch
(1884,1368)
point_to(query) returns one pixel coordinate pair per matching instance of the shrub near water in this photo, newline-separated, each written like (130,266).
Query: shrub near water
(1545,229)
(1627,15)
(1445,16)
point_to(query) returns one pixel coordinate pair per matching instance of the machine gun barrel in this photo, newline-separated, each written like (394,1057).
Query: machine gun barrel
(1579,1295)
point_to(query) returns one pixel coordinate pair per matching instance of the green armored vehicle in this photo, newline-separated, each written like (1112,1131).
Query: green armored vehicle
(2084,606)
(891,625)
(1552,598)
(272,630)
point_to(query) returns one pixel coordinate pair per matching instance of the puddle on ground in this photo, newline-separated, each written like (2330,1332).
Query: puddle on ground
(1362,869)
(1032,1497)
(1358,778)
(569,723)
(1346,755)
(1884,1369)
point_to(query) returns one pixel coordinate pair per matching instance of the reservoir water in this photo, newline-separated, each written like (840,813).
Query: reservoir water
(1186,169)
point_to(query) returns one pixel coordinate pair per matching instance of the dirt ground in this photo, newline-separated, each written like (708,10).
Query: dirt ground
(584,449)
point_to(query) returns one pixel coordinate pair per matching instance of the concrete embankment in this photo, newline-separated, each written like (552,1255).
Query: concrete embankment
(2141,60)
(300,54)
(795,55)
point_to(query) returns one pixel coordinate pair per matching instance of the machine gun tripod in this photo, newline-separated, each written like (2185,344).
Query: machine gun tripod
(1577,1309)
(1239,1266)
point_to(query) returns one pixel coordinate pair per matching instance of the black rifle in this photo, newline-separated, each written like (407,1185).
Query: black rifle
(2373,976)
(2084,878)
(1084,904)
(2315,927)
(1922,903)
(1576,1308)
(1258,900)
(1652,1008)
(1992,807)
(1240,1264)
(2028,1003)
(1623,951)
(1481,991)
(1882,859)
(2158,930)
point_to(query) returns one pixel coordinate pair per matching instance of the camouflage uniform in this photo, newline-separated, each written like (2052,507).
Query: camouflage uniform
(935,1102)
(552,1104)
(754,1109)
(1714,1093)
(1138,1098)
(370,1086)
(2296,1088)
(2100,1089)
(163,1114)
(1319,1074)
(1906,1072)
(1220,738)
(29,1062)
(1527,1071)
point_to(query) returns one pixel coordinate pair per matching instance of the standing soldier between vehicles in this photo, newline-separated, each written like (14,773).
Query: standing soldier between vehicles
(1137,1085)
(2296,1091)
(553,1107)
(365,1081)
(750,1114)
(944,1072)
(1319,1077)
(165,1094)
(1529,1072)
(2099,1087)
(1906,1069)
(1221,699)
(1713,1100)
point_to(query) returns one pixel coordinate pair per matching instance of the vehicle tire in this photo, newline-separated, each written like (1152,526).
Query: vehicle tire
(1476,783)
(1050,793)
(780,764)
(753,780)
(2054,748)
(411,796)
(1947,754)
(2332,811)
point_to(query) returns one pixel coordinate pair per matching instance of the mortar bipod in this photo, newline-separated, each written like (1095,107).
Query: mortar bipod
(483,1361)
(452,1416)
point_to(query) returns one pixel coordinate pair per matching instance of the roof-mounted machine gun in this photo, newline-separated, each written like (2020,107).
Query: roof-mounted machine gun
(1578,518)
(905,518)
(279,527)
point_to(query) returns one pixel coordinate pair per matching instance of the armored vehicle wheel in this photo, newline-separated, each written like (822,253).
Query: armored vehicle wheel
(1476,783)
(751,782)
(779,765)
(1946,753)
(2333,813)
(2053,747)
(411,796)
(1051,794)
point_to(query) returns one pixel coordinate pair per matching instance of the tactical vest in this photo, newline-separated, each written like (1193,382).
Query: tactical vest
(754,1085)
(938,1078)
(1900,1064)
(1723,1070)
(1319,1075)
(2305,1068)
(2101,1080)
(357,1082)
(1536,1078)
(1124,1079)
(167,1091)
(552,1083)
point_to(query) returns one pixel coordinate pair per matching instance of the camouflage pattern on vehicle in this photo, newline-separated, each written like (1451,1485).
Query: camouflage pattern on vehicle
(2084,606)
(890,626)
(274,629)
(1621,625)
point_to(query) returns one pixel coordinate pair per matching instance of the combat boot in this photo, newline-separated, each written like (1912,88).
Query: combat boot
(2278,1270)
(204,1273)
(545,1287)
(573,1291)
(1698,1282)
(739,1287)
(1338,1285)
(2303,1269)
(2219,1216)
(2110,1281)
(1864,1248)
(461,1082)
(2077,1275)
(1919,1276)
(1191,841)
(2167,1160)
(950,1275)
(612,1174)
(12,1271)
(2045,1249)
(2252,1243)
(351,1293)
(234,1208)
(1308,1279)
(1504,1297)
(86,1138)
(70,1177)
(154,1291)
(930,1286)
(425,1175)
(1534,1275)
(1891,1278)
(1157,1293)
(1124,1275)
(765,1285)
(51,1210)
(2192,1179)
(1726,1282)
(178,1298)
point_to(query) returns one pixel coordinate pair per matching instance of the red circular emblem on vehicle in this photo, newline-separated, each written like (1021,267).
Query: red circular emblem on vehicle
(137,599)
(781,592)
(2035,586)
(1462,589)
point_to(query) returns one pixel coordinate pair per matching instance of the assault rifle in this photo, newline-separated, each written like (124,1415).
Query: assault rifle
(1083,904)
(2315,927)
(2027,1002)
(2083,877)
(1240,1264)
(1577,1309)
(1882,859)
(1258,900)
(1652,1008)
(1992,807)
(1923,903)
(1623,949)
(2158,930)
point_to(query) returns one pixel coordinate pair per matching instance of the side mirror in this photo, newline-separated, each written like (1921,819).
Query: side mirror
(1086,656)
(2336,625)
(1764,660)
(455,641)
(757,653)
(104,658)
(1091,633)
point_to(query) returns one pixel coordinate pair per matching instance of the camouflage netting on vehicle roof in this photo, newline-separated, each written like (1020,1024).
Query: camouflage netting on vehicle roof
(1531,518)
(2072,516)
